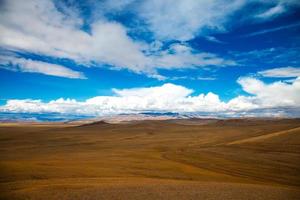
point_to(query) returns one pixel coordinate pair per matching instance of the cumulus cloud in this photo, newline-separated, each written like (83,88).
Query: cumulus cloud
(281,72)
(27,65)
(277,96)
(274,95)
(168,97)
(160,92)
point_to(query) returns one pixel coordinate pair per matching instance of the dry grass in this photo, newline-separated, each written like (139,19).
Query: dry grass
(174,159)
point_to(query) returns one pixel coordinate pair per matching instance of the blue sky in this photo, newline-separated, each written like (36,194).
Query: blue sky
(106,57)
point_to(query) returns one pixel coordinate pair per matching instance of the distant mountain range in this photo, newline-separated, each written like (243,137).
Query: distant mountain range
(58,117)
(147,115)
(39,117)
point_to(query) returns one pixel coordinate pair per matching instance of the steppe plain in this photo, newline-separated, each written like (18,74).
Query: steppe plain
(151,159)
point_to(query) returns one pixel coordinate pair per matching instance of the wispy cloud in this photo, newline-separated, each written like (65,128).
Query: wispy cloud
(214,39)
(272,30)
(183,56)
(272,12)
(281,72)
(188,19)
(284,56)
(33,66)
(184,20)
(206,78)
(201,78)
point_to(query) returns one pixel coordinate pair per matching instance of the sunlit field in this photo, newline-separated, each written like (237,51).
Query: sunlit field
(167,159)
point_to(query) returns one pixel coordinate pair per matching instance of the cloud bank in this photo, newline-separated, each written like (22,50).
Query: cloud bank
(169,97)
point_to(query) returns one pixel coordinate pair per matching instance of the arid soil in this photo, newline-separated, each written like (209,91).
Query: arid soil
(166,159)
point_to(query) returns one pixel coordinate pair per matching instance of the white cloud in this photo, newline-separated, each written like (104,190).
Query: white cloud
(214,39)
(183,20)
(39,27)
(278,96)
(274,95)
(33,66)
(55,30)
(277,7)
(270,30)
(282,56)
(168,97)
(201,78)
(205,78)
(182,56)
(281,72)
(272,12)
(160,92)
(27,65)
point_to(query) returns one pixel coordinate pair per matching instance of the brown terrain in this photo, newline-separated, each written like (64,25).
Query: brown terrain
(164,159)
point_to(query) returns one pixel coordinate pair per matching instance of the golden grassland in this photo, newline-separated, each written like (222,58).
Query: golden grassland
(167,159)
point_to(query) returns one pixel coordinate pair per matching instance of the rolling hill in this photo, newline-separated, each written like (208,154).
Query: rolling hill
(152,159)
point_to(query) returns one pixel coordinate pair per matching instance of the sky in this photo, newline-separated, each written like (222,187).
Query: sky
(106,57)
